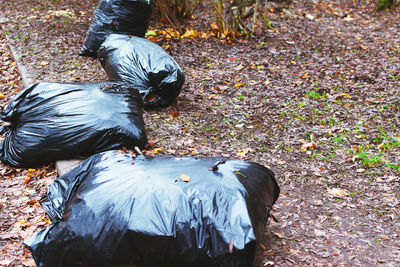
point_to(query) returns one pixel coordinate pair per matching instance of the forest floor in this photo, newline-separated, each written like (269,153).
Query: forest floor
(315,97)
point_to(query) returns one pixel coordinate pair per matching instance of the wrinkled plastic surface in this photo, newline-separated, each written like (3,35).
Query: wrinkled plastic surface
(143,65)
(116,16)
(114,209)
(53,121)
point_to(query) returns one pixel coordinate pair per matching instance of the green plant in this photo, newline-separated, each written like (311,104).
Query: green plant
(331,121)
(301,117)
(386,5)
(339,138)
(313,94)
(395,166)
(395,77)
(22,37)
(227,120)
(381,136)
(301,104)
(268,22)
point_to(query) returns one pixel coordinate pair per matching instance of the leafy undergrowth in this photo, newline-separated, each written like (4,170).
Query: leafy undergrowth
(314,95)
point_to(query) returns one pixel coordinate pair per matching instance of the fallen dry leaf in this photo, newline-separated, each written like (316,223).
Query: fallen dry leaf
(305,75)
(239,84)
(174,113)
(152,38)
(28,177)
(308,146)
(239,67)
(156,150)
(337,192)
(214,27)
(185,178)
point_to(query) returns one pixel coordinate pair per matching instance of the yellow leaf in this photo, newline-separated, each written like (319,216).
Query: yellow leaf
(157,150)
(305,75)
(169,32)
(1,95)
(152,38)
(185,178)
(190,34)
(151,33)
(239,84)
(44,63)
(240,67)
(204,35)
(31,170)
(260,67)
(339,96)
(241,154)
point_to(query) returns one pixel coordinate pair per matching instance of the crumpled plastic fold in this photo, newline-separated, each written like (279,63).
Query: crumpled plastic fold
(143,65)
(129,17)
(55,121)
(115,209)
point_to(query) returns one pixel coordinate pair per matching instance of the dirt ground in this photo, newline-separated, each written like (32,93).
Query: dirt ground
(315,96)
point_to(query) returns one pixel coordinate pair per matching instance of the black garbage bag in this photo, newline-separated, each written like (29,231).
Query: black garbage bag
(53,121)
(116,16)
(114,209)
(143,65)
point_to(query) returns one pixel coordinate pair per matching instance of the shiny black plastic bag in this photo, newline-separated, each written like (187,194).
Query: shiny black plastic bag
(143,65)
(116,16)
(114,209)
(53,121)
